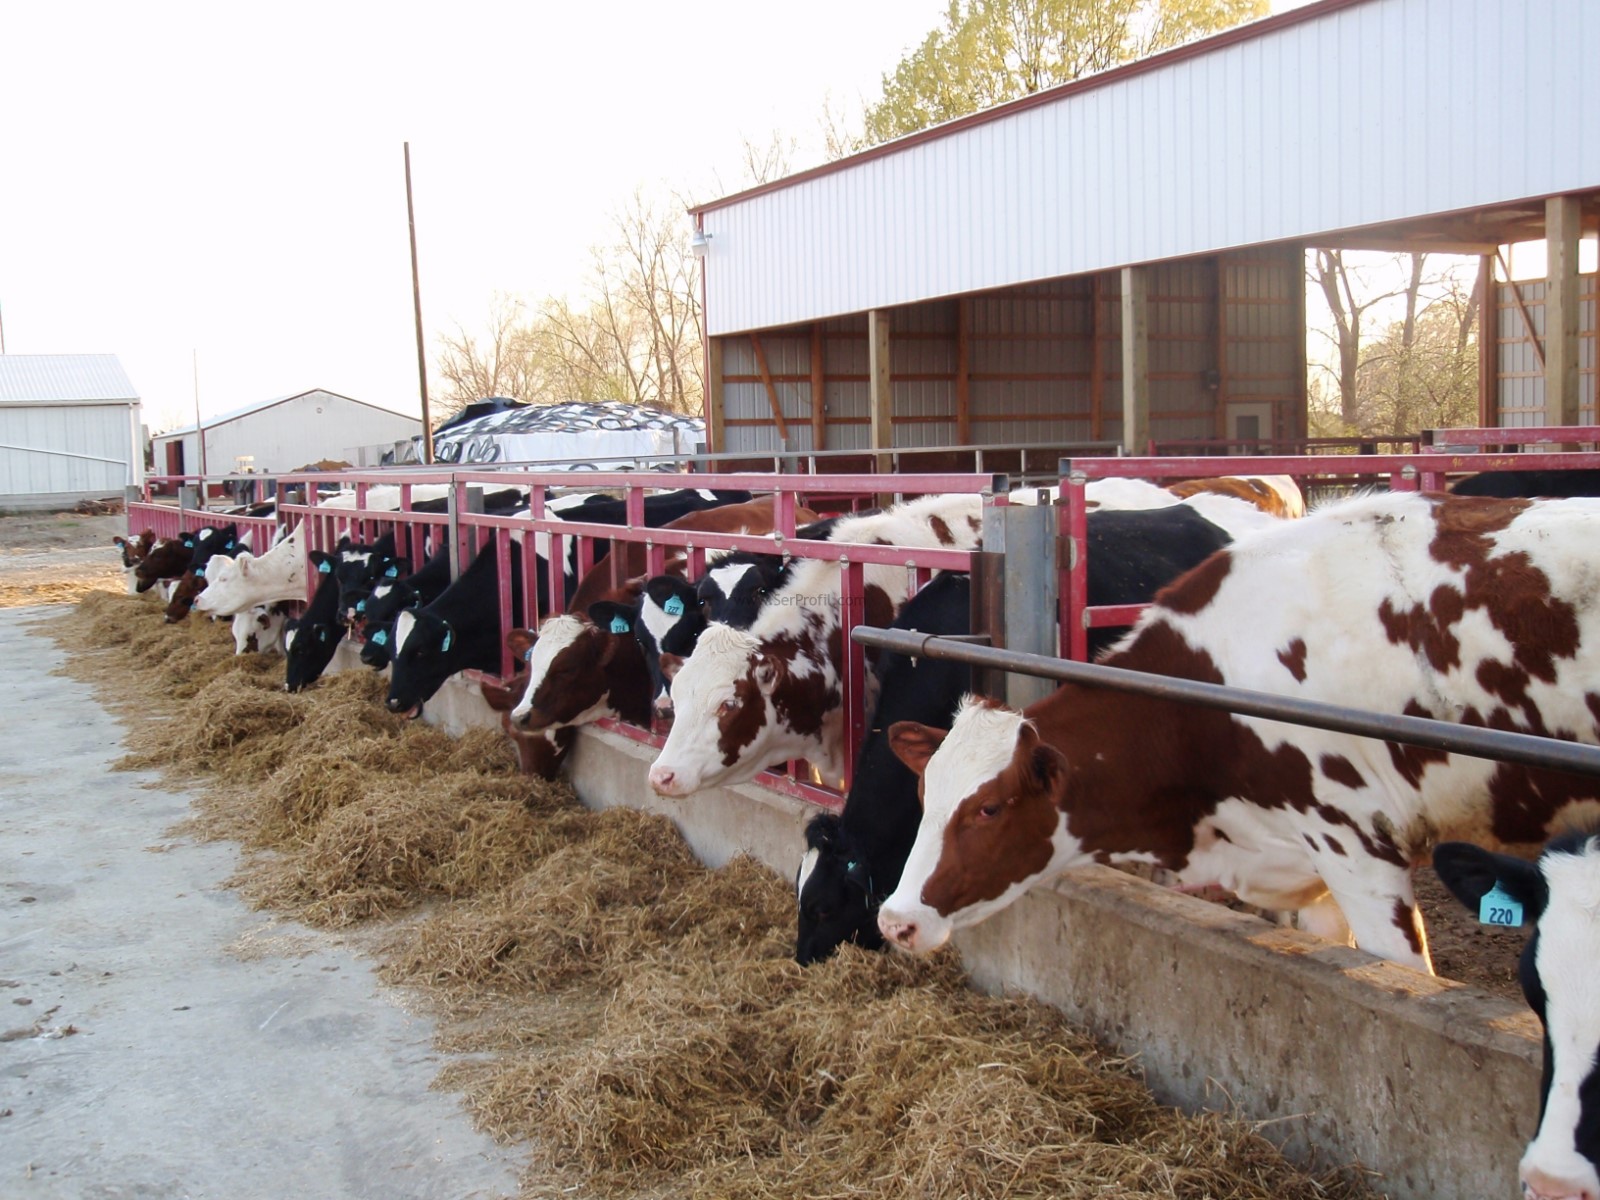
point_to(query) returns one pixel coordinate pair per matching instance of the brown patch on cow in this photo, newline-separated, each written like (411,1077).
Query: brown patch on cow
(1334,844)
(1428,630)
(941,531)
(975,524)
(250,644)
(739,728)
(1411,761)
(985,855)
(1340,769)
(1526,802)
(184,596)
(1195,589)
(1405,920)
(1294,659)
(1251,491)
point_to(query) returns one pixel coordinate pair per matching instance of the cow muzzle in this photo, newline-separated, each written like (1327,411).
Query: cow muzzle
(1536,1185)
(665,781)
(916,931)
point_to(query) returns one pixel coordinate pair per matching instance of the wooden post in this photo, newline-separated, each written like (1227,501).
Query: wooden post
(1219,316)
(716,413)
(819,393)
(772,391)
(1097,363)
(963,372)
(1562,225)
(1300,426)
(1488,345)
(880,399)
(1135,362)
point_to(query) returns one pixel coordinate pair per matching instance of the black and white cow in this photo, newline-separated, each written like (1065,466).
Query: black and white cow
(208,543)
(457,632)
(392,594)
(1560,975)
(853,858)
(356,568)
(310,640)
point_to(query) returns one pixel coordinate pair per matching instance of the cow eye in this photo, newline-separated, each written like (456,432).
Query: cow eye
(729,706)
(990,810)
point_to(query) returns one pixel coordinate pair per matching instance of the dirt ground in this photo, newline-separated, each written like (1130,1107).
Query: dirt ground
(55,558)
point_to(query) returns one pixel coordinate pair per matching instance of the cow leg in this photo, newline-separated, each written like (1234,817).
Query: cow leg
(1381,907)
(1325,919)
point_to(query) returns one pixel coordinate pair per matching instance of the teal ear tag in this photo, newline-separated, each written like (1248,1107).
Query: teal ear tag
(199,572)
(392,573)
(527,655)
(325,568)
(361,606)
(449,636)
(381,638)
(673,607)
(1498,908)
(620,625)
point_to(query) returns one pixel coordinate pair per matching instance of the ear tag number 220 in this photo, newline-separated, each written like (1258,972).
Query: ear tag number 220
(1498,908)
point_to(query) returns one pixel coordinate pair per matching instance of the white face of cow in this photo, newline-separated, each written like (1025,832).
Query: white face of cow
(1567,961)
(724,728)
(555,635)
(990,826)
(221,571)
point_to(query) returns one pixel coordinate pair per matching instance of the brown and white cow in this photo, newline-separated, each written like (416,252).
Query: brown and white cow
(259,630)
(582,669)
(1277,495)
(1485,612)
(749,697)
(539,753)
(133,552)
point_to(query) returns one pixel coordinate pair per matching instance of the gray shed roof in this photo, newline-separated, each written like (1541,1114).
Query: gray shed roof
(258,406)
(64,379)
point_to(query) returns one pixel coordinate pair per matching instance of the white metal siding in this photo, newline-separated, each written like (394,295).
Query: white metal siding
(1378,112)
(52,450)
(290,434)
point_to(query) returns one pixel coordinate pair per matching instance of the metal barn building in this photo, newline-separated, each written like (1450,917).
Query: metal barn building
(1121,258)
(69,430)
(285,433)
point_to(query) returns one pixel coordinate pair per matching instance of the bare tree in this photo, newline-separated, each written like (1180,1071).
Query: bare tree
(500,364)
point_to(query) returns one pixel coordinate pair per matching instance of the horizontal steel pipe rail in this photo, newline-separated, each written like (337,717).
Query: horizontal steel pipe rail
(1527,749)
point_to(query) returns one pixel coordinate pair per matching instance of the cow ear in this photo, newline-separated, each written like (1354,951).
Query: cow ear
(520,642)
(1471,873)
(769,672)
(120,542)
(612,617)
(823,832)
(914,744)
(321,560)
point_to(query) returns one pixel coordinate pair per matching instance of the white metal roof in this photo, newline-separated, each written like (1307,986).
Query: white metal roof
(247,410)
(1337,116)
(64,379)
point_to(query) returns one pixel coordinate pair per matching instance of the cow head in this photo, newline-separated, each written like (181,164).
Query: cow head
(426,652)
(357,568)
(1560,975)
(667,623)
(991,822)
(572,666)
(740,703)
(309,644)
(218,573)
(835,892)
(168,558)
(134,551)
(184,595)
(259,630)
(540,753)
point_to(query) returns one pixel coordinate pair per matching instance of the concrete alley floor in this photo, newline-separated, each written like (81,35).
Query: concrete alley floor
(157,1038)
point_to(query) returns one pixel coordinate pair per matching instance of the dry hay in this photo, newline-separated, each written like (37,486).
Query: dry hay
(649,1029)
(869,1075)
(57,591)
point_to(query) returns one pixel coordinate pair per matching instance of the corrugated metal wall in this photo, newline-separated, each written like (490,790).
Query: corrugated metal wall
(1519,388)
(31,435)
(1037,358)
(1279,137)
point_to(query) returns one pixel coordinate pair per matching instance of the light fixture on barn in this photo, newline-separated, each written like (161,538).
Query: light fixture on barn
(699,242)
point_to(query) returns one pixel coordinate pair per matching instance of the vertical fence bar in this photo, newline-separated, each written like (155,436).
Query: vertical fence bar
(852,612)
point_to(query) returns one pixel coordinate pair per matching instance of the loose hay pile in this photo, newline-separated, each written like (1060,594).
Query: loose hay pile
(637,1018)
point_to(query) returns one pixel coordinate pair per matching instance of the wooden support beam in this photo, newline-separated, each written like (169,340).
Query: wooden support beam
(772,390)
(963,372)
(716,410)
(1488,345)
(1563,225)
(1097,363)
(880,391)
(1300,425)
(1219,393)
(819,393)
(1135,361)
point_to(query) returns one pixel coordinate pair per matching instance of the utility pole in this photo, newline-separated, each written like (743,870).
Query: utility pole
(416,303)
(199,429)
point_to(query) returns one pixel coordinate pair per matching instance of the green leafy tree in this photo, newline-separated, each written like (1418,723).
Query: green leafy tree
(990,51)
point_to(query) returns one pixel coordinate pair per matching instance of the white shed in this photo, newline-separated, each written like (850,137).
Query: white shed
(282,434)
(69,430)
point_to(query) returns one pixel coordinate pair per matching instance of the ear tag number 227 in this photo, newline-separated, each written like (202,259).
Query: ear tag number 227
(1498,908)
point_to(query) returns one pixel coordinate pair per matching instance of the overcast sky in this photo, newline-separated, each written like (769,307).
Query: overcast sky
(187,183)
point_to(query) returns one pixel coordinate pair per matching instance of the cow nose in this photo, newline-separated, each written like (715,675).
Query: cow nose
(392,704)
(1537,1185)
(902,933)
(665,781)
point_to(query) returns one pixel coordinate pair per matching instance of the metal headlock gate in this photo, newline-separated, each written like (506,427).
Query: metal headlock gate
(1525,748)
